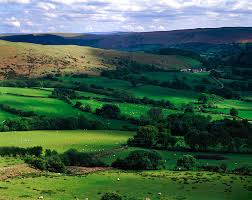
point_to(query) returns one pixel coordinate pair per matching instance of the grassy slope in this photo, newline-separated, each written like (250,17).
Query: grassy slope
(172,185)
(24,91)
(36,60)
(83,140)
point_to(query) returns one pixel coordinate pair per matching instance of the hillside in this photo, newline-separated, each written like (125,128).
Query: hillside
(135,41)
(33,60)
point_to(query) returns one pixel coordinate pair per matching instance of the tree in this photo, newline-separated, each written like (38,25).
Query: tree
(78,104)
(189,108)
(186,162)
(111,196)
(233,112)
(109,111)
(203,99)
(140,160)
(146,136)
(155,114)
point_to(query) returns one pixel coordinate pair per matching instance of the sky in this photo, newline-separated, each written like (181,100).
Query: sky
(82,16)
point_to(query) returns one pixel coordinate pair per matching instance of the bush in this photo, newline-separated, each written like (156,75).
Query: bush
(109,111)
(186,162)
(18,151)
(55,164)
(74,158)
(244,170)
(140,160)
(111,196)
(51,163)
(38,163)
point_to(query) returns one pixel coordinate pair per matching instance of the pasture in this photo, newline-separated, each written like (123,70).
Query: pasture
(177,97)
(232,160)
(128,109)
(82,140)
(132,185)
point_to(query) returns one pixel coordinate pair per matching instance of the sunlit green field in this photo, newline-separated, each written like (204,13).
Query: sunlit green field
(137,186)
(25,91)
(128,109)
(83,140)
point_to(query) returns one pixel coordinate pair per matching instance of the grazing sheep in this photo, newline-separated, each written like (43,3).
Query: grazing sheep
(41,197)
(159,193)
(118,179)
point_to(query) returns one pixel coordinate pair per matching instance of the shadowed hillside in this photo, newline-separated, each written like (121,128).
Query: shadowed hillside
(34,60)
(134,41)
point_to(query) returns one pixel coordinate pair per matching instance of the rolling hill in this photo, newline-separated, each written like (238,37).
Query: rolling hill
(134,41)
(33,60)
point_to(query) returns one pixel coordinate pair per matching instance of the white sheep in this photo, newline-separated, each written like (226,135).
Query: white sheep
(41,197)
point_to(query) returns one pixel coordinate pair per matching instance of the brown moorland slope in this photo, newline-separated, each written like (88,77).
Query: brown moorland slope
(33,60)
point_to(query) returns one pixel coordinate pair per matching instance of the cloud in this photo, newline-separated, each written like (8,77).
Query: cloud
(46,6)
(13,22)
(124,15)
(16,1)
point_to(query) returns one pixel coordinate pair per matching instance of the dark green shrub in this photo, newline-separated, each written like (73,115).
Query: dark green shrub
(38,163)
(140,160)
(55,164)
(186,162)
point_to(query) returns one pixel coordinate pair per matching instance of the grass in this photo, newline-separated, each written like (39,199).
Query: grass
(52,108)
(232,160)
(9,161)
(128,109)
(41,106)
(178,97)
(83,140)
(99,81)
(25,91)
(244,108)
(133,185)
(5,115)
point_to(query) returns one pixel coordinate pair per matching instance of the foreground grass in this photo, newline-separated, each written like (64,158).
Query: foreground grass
(133,185)
(82,140)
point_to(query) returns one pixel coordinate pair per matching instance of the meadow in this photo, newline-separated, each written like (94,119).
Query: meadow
(82,140)
(132,185)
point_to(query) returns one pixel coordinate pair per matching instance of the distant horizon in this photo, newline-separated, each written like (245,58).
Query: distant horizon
(98,16)
(114,32)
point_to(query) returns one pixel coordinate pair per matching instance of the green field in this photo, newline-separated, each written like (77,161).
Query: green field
(83,140)
(128,109)
(232,160)
(25,91)
(171,185)
(178,97)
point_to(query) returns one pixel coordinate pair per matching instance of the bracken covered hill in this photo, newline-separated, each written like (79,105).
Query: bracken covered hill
(33,60)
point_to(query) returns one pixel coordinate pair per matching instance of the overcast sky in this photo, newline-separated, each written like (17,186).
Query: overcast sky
(26,16)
